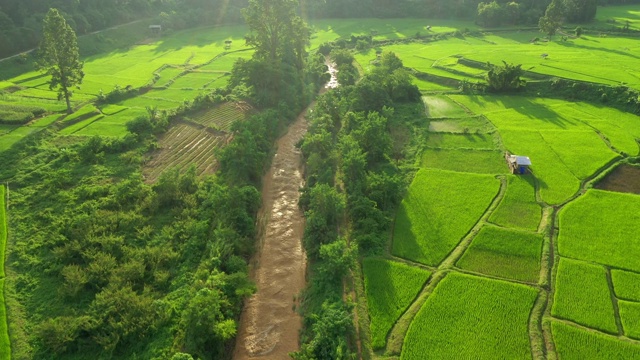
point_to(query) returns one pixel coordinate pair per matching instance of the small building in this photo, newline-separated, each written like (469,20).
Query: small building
(155,29)
(518,164)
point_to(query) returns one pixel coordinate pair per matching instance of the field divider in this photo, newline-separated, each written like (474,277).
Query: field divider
(494,277)
(614,302)
(398,332)
(455,254)
(584,328)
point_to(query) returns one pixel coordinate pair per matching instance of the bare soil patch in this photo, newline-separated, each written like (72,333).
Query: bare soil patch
(624,178)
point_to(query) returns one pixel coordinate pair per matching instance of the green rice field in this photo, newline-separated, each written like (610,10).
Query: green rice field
(390,287)
(518,208)
(466,160)
(626,285)
(587,301)
(573,343)
(469,317)
(437,212)
(602,227)
(506,253)
(630,317)
(5,346)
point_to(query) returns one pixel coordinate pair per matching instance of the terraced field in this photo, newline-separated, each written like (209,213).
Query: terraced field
(184,145)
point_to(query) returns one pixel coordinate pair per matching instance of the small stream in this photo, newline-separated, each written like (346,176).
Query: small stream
(269,326)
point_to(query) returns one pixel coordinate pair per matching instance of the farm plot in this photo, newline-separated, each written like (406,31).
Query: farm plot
(222,116)
(440,106)
(473,161)
(182,146)
(506,253)
(602,227)
(624,178)
(390,287)
(626,285)
(557,183)
(168,74)
(113,125)
(518,208)
(9,139)
(469,125)
(621,128)
(463,141)
(439,209)
(195,80)
(582,295)
(573,343)
(80,125)
(469,317)
(630,317)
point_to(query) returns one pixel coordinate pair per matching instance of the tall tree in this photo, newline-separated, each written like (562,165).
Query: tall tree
(552,19)
(59,56)
(277,32)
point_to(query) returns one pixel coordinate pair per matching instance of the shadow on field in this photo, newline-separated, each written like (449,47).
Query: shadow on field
(525,107)
(573,44)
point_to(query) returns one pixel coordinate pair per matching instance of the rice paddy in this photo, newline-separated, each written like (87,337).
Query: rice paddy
(573,343)
(390,287)
(602,227)
(469,317)
(518,208)
(438,210)
(588,301)
(506,253)
(630,317)
(626,285)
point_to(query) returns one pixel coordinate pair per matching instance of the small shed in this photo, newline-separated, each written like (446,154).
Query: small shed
(518,164)
(155,29)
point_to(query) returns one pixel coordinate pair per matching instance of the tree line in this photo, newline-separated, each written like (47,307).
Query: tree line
(21,21)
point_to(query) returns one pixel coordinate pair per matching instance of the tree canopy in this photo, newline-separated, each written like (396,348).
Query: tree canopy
(59,56)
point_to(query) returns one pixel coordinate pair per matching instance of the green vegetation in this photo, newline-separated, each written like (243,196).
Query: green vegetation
(390,287)
(5,344)
(507,253)
(518,208)
(438,210)
(582,295)
(472,317)
(601,227)
(440,106)
(630,316)
(472,161)
(462,141)
(626,285)
(573,343)
(3,230)
(59,56)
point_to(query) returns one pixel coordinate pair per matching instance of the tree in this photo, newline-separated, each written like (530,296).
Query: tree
(277,32)
(59,56)
(505,78)
(552,19)
(580,11)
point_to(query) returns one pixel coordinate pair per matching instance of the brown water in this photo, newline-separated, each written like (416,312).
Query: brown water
(269,326)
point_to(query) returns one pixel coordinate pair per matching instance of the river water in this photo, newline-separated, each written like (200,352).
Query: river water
(269,326)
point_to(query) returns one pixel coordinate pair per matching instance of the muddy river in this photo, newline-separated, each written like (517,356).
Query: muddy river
(269,327)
